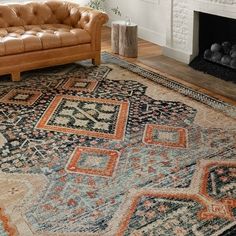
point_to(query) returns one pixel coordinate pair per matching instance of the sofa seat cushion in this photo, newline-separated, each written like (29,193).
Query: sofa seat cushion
(28,38)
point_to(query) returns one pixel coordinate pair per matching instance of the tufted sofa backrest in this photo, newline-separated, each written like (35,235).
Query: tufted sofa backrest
(38,13)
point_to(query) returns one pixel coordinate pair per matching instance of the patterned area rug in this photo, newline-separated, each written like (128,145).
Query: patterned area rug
(114,150)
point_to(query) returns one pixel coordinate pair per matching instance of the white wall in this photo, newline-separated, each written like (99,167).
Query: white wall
(148,14)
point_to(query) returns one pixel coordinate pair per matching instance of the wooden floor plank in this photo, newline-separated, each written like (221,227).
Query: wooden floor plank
(150,56)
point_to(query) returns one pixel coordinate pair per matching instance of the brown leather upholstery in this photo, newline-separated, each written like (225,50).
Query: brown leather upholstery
(37,37)
(48,25)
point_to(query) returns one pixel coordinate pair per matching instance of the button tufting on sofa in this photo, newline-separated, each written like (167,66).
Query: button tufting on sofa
(40,34)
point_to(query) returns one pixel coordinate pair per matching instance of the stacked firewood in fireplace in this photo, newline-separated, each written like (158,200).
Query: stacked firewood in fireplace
(224,54)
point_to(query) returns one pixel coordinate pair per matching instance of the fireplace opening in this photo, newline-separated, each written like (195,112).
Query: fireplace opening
(217,47)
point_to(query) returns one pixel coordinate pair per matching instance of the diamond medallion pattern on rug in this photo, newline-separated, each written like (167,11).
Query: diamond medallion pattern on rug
(93,161)
(154,209)
(80,85)
(25,97)
(165,208)
(96,117)
(167,136)
(113,161)
(218,182)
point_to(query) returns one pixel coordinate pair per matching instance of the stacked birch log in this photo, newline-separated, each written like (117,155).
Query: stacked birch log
(124,38)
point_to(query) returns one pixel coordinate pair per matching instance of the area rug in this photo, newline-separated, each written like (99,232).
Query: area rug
(114,150)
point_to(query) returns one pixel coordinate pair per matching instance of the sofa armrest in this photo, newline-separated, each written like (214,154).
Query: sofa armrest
(92,21)
(91,18)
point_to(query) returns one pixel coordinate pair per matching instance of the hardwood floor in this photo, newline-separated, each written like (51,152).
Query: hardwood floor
(150,56)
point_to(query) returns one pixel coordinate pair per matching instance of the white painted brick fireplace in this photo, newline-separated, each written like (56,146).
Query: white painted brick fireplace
(183,24)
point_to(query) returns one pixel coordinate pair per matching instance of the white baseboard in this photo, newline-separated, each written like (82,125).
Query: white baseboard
(151,36)
(177,55)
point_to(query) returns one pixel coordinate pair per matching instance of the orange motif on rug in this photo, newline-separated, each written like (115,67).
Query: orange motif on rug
(96,117)
(25,97)
(93,161)
(5,226)
(167,136)
(213,205)
(80,85)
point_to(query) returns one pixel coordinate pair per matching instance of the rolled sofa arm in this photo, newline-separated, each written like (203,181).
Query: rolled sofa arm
(91,18)
(92,21)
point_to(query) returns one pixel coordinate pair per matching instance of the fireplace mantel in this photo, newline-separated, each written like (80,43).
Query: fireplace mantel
(182,24)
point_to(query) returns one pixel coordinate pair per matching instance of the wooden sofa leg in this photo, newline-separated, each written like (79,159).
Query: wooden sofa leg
(97,60)
(15,76)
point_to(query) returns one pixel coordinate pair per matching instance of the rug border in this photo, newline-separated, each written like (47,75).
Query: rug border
(215,103)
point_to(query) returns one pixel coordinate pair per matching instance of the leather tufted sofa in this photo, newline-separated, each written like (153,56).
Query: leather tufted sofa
(41,34)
